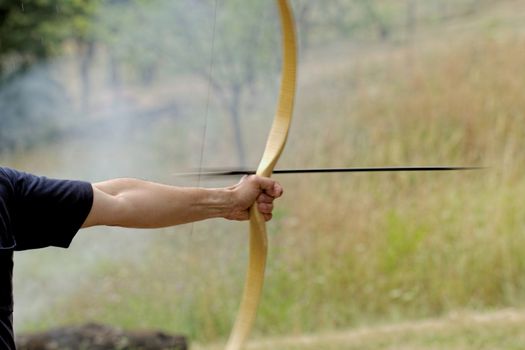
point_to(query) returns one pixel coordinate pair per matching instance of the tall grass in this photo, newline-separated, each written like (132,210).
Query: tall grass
(347,250)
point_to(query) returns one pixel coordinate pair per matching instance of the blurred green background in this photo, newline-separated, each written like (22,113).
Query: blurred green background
(110,88)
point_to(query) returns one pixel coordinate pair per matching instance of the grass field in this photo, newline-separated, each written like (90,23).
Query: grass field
(460,331)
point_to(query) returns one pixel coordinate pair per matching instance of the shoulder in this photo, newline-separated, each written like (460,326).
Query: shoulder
(7,180)
(5,173)
(12,176)
(16,181)
(27,185)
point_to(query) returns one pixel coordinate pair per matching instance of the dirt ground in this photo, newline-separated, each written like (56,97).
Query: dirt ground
(100,337)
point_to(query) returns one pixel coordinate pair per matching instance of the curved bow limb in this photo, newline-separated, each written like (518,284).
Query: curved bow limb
(274,147)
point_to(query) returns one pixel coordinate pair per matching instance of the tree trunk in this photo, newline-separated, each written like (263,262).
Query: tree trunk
(86,51)
(114,77)
(382,28)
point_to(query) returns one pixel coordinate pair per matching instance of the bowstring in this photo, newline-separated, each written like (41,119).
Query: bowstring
(205,128)
(208,93)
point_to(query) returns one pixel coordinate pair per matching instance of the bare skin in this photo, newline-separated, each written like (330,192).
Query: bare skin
(136,203)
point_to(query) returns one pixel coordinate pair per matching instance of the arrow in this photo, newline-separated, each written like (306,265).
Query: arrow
(237,172)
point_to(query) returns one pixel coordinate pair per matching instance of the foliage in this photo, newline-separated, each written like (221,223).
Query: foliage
(368,21)
(231,48)
(31,31)
(32,99)
(145,41)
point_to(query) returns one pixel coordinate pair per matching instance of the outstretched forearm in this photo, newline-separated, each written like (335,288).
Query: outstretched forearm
(142,204)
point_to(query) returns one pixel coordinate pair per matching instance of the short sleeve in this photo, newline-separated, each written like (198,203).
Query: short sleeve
(46,212)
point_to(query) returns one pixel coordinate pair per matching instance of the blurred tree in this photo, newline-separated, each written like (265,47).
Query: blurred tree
(31,32)
(375,18)
(245,51)
(143,38)
(178,35)
(347,21)
(129,33)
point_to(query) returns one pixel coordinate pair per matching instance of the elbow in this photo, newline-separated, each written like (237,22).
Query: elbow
(110,207)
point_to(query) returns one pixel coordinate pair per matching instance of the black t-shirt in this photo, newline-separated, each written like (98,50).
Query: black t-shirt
(35,212)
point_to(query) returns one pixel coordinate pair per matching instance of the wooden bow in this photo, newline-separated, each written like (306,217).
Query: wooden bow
(274,147)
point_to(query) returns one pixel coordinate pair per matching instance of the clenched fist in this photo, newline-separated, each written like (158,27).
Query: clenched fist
(251,190)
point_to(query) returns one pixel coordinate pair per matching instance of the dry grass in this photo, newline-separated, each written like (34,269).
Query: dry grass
(460,331)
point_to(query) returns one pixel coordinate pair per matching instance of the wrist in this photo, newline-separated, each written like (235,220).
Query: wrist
(221,202)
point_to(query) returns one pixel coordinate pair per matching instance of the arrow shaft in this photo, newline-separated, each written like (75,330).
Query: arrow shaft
(236,172)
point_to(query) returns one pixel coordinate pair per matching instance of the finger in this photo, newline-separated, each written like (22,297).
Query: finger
(265,208)
(277,190)
(245,215)
(269,186)
(264,198)
(267,217)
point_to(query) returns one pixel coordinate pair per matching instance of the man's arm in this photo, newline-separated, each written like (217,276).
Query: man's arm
(141,204)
